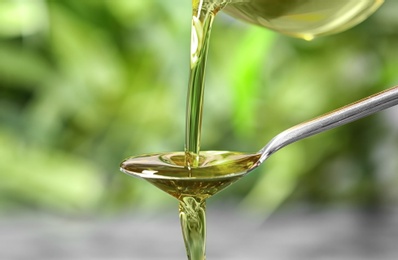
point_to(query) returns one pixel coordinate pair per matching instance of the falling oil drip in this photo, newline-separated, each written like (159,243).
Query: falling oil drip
(203,13)
(192,208)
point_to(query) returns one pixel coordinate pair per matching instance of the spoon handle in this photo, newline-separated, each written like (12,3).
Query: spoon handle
(341,116)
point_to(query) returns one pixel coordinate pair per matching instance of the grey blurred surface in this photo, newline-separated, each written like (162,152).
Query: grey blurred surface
(293,234)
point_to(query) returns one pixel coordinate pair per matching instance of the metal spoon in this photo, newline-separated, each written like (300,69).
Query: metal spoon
(228,165)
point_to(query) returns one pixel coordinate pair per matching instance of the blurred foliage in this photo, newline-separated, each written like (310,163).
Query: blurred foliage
(84,84)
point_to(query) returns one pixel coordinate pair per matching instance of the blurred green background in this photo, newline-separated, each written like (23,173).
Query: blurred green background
(85,84)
